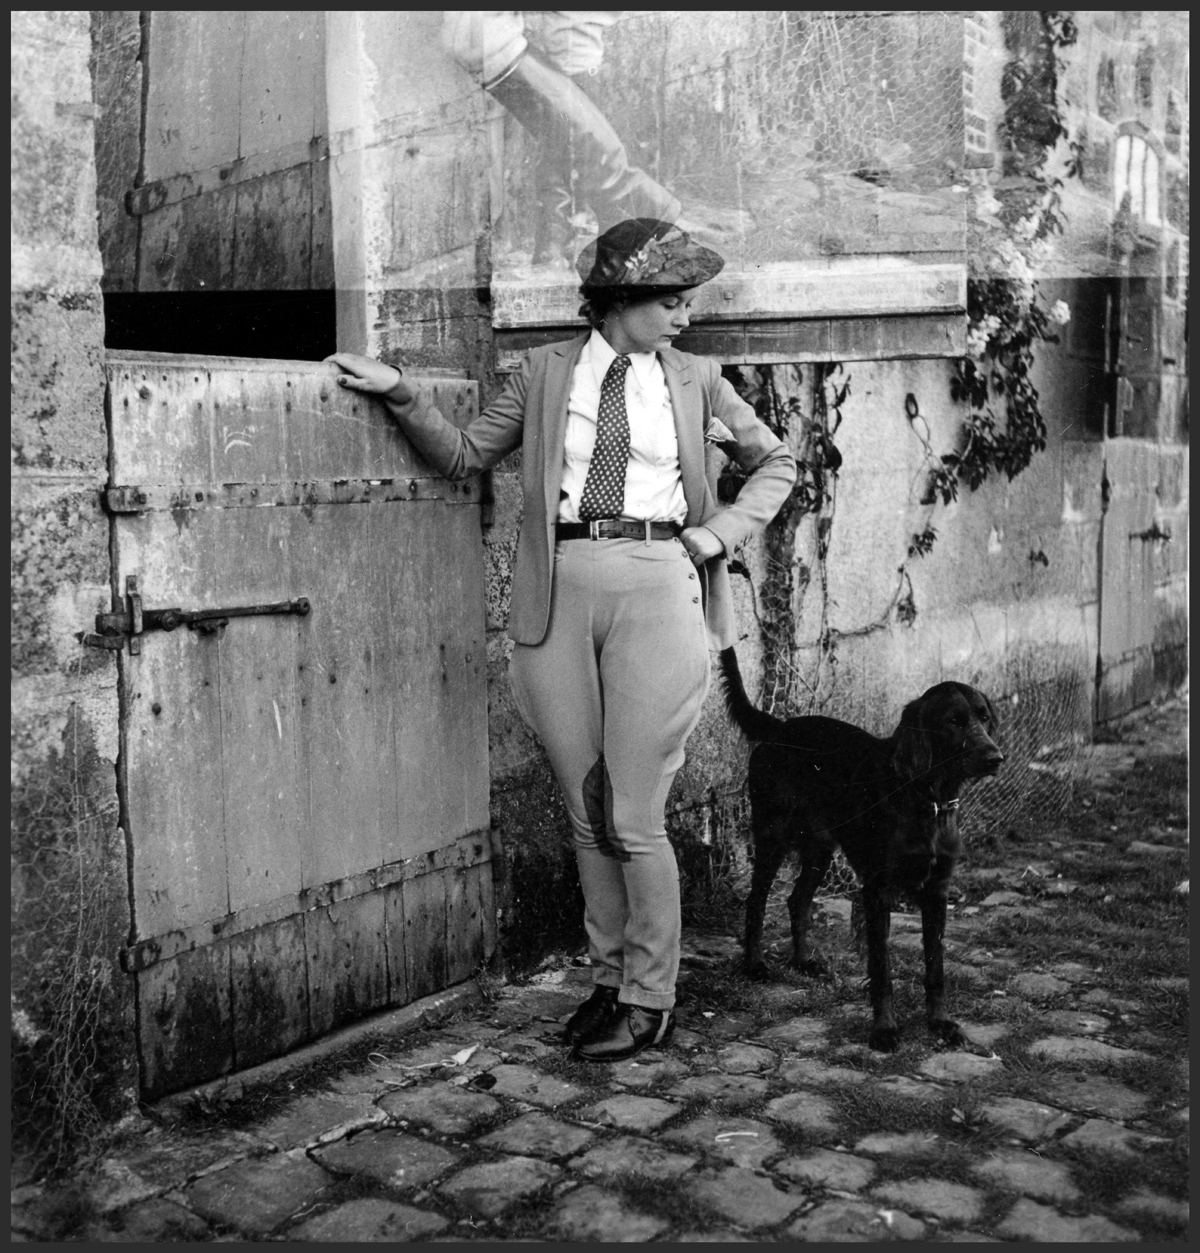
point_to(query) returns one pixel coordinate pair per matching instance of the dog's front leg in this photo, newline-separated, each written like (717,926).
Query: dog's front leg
(768,857)
(812,874)
(933,928)
(877,906)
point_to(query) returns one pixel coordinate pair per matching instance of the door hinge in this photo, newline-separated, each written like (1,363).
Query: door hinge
(128,624)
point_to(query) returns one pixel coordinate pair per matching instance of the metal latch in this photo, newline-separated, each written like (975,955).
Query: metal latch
(113,629)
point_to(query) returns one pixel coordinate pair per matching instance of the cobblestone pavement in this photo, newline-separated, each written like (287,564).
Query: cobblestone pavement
(1065,1120)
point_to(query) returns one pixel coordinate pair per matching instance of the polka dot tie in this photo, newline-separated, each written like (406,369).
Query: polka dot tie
(604,489)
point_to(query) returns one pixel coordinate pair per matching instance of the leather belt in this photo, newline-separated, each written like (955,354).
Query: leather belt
(617,528)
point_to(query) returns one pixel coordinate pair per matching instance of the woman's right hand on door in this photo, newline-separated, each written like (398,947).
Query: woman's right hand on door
(374,378)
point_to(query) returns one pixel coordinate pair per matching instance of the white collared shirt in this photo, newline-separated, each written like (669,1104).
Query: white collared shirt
(653,483)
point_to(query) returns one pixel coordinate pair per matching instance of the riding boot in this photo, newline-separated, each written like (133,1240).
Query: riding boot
(560,115)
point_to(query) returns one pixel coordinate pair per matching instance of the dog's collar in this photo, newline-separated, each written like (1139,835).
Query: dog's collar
(939,807)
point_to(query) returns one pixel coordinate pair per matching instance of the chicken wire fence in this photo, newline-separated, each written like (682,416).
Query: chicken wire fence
(63,936)
(873,98)
(873,94)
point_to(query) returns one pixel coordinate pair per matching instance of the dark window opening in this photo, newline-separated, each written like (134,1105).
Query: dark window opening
(284,325)
(1145,76)
(1106,89)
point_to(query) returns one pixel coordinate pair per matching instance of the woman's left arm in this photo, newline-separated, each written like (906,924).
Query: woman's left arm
(769,467)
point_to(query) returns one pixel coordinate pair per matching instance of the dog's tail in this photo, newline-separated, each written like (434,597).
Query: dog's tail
(755,725)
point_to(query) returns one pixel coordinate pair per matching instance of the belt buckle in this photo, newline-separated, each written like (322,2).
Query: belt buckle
(594,529)
(649,526)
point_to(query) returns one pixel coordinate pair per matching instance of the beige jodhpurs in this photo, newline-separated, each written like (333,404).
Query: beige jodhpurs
(613,692)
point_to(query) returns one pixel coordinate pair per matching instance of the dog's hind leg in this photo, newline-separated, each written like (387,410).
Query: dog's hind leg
(877,908)
(768,857)
(800,911)
(932,899)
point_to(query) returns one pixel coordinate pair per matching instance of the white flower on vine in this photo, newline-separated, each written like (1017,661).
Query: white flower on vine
(1060,312)
(1039,250)
(976,343)
(986,204)
(1026,229)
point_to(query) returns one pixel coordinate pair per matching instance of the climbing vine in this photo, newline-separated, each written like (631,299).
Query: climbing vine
(1009,234)
(1011,229)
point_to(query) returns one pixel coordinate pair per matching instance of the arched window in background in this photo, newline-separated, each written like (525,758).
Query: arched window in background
(1136,172)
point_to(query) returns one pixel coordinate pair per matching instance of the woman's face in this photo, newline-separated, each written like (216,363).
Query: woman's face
(648,325)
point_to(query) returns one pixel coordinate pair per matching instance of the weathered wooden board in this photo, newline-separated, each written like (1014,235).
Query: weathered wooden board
(347,958)
(188,245)
(854,287)
(425,934)
(193,101)
(464,923)
(236,191)
(185,1019)
(307,795)
(785,341)
(268,992)
(395,935)
(173,733)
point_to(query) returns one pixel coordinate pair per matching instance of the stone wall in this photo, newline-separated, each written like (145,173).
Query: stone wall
(71,1010)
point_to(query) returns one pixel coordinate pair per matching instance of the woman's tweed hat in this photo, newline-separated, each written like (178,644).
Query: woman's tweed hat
(646,254)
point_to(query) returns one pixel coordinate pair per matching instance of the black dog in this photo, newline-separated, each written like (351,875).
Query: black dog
(817,784)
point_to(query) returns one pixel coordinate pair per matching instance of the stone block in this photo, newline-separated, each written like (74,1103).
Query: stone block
(313,1117)
(646,1074)
(526,1084)
(899,1144)
(797,1036)
(745,1059)
(949,1202)
(1066,1049)
(823,1168)
(369,1220)
(394,1158)
(960,1067)
(1087,1093)
(855,1222)
(909,1089)
(1160,1209)
(157,1221)
(1027,1220)
(744,1198)
(165,1159)
(631,1113)
(1028,1174)
(1098,1135)
(1076,1022)
(490,1188)
(537,1135)
(592,1213)
(805,1111)
(726,1089)
(442,1107)
(627,1155)
(743,1141)
(256,1197)
(804,1070)
(1025,1119)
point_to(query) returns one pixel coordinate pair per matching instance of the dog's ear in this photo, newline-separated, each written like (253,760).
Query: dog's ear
(913,754)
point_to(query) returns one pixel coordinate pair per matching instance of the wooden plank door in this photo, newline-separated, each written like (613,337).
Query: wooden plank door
(306,796)
(1125,666)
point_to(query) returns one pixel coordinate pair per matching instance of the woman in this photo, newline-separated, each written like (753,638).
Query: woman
(618,585)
